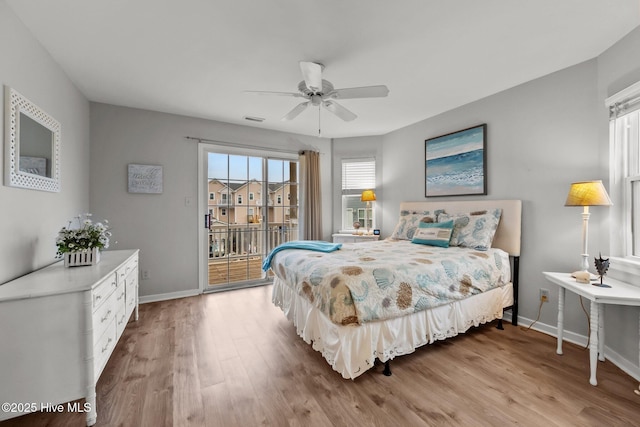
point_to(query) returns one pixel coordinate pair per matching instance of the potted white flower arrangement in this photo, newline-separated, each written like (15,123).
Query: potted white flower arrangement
(81,245)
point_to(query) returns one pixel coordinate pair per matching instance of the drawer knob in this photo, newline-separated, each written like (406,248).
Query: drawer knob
(106,316)
(98,297)
(106,346)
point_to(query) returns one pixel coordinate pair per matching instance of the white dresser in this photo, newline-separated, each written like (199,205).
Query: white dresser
(58,327)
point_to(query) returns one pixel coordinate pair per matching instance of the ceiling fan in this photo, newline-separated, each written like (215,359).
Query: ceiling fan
(319,92)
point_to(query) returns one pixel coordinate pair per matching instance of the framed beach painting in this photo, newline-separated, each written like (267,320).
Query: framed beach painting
(455,163)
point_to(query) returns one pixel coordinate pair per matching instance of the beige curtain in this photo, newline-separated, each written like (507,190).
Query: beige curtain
(311,215)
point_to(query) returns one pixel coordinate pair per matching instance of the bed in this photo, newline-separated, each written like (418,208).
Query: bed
(377,300)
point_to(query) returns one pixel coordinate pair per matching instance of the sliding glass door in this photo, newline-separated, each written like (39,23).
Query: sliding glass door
(251,207)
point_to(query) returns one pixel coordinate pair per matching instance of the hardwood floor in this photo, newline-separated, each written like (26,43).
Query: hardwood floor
(233,359)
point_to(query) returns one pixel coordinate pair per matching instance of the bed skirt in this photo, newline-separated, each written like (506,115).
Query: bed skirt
(351,350)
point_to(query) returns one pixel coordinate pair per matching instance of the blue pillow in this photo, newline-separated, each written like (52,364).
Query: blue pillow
(434,233)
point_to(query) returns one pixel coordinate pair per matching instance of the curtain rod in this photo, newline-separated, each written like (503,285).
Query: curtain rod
(253,147)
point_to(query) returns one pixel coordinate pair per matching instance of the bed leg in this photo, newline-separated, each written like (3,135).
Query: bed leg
(387,369)
(500,325)
(516,277)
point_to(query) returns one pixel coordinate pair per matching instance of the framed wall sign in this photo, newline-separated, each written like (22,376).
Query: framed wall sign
(33,165)
(455,163)
(145,179)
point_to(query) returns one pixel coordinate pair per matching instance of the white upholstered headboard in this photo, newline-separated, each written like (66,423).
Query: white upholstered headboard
(508,233)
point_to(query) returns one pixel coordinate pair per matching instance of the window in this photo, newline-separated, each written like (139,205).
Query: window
(212,196)
(357,175)
(223,212)
(239,199)
(624,131)
(251,196)
(224,198)
(279,199)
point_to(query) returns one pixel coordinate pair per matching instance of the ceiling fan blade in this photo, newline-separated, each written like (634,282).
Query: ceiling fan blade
(312,74)
(296,111)
(265,92)
(360,92)
(339,110)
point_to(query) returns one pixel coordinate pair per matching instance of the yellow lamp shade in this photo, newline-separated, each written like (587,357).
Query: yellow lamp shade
(368,196)
(588,193)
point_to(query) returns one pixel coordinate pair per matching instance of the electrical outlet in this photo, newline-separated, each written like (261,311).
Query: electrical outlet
(544,295)
(145,274)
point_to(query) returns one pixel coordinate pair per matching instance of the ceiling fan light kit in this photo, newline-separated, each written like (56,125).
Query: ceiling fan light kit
(321,93)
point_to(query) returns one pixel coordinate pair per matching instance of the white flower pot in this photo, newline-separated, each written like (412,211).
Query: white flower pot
(76,259)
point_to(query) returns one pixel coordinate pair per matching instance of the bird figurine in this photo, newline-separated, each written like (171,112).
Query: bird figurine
(602,265)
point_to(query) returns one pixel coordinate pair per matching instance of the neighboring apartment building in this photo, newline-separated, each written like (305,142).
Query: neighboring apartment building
(237,211)
(242,202)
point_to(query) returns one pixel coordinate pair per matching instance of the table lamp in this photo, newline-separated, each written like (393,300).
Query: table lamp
(587,193)
(367,196)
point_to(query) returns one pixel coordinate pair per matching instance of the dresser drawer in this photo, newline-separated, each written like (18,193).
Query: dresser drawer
(103,348)
(105,314)
(122,317)
(101,293)
(127,268)
(132,290)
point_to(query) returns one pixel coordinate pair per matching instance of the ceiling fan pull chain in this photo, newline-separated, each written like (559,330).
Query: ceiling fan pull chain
(319,121)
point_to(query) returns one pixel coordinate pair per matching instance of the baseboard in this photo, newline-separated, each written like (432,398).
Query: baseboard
(622,363)
(170,295)
(630,368)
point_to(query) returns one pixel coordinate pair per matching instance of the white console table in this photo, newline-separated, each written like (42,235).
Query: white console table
(354,238)
(619,293)
(58,327)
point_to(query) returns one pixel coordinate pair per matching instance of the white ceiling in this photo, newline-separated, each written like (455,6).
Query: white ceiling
(196,57)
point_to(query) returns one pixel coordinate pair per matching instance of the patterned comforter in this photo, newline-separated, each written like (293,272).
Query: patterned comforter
(364,282)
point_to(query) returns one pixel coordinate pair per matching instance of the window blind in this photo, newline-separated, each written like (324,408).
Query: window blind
(358,175)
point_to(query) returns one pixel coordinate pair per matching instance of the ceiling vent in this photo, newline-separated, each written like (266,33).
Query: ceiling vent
(254,119)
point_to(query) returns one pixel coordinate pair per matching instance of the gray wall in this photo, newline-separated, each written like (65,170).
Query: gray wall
(160,225)
(30,219)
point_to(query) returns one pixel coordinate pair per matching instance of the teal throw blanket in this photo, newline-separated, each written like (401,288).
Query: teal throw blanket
(310,245)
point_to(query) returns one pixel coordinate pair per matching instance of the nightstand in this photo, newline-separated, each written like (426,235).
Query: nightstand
(619,293)
(354,238)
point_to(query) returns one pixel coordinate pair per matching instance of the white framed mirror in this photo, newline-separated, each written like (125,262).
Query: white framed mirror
(32,145)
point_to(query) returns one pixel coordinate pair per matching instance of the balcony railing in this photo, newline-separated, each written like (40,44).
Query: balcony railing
(237,240)
(229,203)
